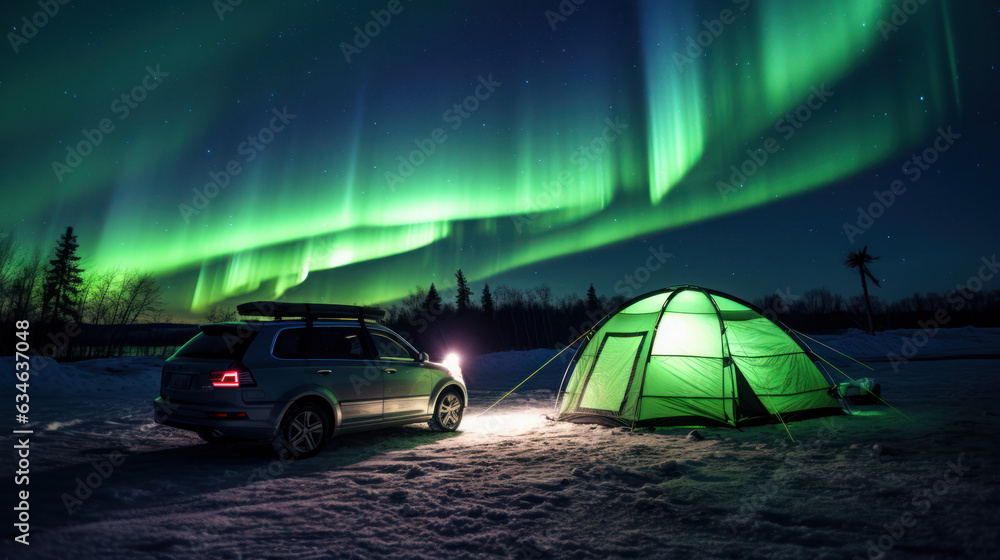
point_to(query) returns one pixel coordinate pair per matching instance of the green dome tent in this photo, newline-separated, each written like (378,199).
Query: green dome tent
(692,356)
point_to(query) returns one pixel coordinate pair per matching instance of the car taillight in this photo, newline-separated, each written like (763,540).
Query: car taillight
(236,376)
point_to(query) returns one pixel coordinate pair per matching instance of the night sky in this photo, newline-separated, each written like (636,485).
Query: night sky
(272,149)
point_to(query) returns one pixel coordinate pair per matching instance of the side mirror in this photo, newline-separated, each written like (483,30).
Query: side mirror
(423,357)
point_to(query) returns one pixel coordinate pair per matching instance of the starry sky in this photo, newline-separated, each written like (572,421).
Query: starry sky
(348,151)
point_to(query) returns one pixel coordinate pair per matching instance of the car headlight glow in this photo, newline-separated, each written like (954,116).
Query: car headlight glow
(451,362)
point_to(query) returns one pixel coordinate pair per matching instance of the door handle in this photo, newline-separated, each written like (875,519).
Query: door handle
(324,371)
(390,370)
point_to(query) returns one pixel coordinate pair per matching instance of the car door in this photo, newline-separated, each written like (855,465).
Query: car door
(407,382)
(339,362)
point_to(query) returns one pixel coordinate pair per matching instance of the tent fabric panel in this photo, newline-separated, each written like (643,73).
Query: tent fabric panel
(727,305)
(657,408)
(787,404)
(690,301)
(681,334)
(781,375)
(609,380)
(633,323)
(652,304)
(590,418)
(677,376)
(576,379)
(759,337)
(745,314)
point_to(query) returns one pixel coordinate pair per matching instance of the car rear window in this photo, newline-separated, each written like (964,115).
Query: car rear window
(221,343)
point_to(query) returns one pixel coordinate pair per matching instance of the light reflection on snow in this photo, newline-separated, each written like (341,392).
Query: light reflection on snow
(57,425)
(502,423)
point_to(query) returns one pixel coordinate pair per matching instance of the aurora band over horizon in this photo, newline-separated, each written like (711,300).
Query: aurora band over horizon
(651,140)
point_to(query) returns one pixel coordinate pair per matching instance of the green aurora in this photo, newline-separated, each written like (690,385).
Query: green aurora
(632,139)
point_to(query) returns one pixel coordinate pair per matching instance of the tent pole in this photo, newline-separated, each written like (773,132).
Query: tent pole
(649,358)
(555,411)
(724,343)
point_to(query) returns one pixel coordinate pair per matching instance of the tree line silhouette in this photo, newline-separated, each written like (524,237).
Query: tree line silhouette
(73,313)
(521,319)
(77,314)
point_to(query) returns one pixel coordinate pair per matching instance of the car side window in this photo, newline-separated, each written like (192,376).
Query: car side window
(291,344)
(336,343)
(391,349)
(325,343)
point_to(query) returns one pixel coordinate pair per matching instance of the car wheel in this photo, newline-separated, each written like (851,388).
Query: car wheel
(447,412)
(302,433)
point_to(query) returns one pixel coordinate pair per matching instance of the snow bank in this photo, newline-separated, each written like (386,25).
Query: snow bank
(914,344)
(108,376)
(501,370)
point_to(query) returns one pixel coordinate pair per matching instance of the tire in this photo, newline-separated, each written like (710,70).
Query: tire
(302,433)
(447,412)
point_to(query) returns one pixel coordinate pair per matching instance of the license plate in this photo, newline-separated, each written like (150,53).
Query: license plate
(180,381)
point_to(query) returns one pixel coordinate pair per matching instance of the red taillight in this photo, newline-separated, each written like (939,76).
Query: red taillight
(225,379)
(227,415)
(236,376)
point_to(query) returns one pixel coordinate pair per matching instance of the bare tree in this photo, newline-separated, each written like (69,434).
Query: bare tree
(25,287)
(118,300)
(219,314)
(860,260)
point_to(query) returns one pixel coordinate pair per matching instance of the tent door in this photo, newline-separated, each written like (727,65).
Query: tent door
(609,380)
(748,404)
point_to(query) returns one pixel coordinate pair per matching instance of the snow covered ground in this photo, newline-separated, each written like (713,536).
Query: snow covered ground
(922,482)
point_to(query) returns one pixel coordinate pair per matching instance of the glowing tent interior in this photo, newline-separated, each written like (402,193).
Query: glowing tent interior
(687,355)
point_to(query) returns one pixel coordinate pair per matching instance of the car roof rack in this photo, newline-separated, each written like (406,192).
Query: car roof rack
(310,311)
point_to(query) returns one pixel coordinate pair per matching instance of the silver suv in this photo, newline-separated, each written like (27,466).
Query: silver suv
(332,369)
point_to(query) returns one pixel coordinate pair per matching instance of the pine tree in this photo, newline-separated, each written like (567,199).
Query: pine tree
(62,280)
(464,293)
(487,300)
(432,304)
(592,301)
